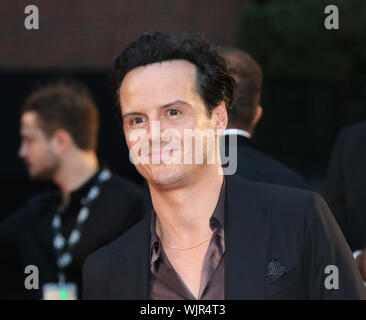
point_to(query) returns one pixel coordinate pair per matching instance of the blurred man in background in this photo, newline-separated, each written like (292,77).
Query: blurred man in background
(346,189)
(244,115)
(57,230)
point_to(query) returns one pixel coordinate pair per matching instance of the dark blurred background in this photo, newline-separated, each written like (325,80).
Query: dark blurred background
(314,79)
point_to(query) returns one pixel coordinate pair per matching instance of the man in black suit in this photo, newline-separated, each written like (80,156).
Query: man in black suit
(56,230)
(244,115)
(208,236)
(346,189)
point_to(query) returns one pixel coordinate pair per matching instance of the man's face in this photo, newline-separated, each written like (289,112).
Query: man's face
(37,149)
(164,93)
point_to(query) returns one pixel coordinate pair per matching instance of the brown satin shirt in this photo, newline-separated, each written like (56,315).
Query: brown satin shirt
(165,282)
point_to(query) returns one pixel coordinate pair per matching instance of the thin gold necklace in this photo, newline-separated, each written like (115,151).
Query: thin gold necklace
(187,248)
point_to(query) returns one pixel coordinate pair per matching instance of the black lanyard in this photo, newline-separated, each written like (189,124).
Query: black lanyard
(64,249)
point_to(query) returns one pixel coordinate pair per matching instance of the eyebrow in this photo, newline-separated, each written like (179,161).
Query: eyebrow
(26,129)
(174,103)
(26,133)
(129,114)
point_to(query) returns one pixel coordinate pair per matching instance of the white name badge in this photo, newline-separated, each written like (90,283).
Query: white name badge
(55,291)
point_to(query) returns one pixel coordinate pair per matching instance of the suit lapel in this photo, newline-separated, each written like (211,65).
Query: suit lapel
(356,163)
(132,267)
(247,224)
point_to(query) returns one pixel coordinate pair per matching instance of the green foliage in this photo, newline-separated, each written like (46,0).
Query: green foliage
(288,38)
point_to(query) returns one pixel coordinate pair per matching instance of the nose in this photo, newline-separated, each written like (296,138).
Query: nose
(22,152)
(154,131)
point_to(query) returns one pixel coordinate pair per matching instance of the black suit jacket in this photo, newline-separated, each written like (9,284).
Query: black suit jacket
(346,184)
(263,223)
(255,165)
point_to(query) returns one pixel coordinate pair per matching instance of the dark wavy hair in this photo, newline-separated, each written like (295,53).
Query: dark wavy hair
(214,82)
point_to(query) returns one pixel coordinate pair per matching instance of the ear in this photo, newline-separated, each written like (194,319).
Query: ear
(61,140)
(220,117)
(258,116)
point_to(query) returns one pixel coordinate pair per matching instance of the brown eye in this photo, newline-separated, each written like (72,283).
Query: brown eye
(173,112)
(136,121)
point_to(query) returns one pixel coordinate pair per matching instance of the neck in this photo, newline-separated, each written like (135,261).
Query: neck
(183,214)
(75,169)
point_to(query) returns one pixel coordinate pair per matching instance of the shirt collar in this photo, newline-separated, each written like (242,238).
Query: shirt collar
(79,193)
(219,212)
(238,132)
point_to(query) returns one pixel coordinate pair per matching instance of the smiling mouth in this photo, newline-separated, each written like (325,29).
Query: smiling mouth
(170,154)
